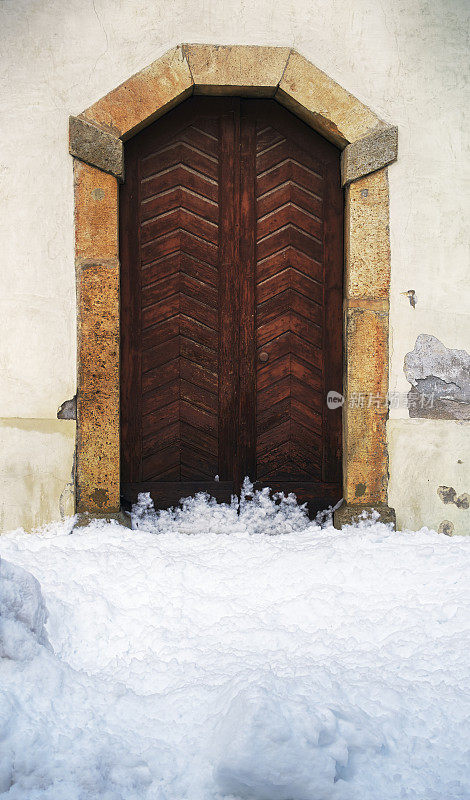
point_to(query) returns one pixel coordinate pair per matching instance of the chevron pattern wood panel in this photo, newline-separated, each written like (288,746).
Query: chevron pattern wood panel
(231,276)
(171,423)
(289,309)
(179,258)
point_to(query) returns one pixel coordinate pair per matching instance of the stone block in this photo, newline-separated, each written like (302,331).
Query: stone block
(96,213)
(367,352)
(365,456)
(98,479)
(348,514)
(367,237)
(98,332)
(85,518)
(323,104)
(144,97)
(98,387)
(96,147)
(365,412)
(236,69)
(369,154)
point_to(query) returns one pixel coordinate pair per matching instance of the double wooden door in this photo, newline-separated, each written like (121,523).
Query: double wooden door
(231,291)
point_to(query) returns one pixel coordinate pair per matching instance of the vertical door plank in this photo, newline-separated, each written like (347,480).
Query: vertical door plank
(229,308)
(246,279)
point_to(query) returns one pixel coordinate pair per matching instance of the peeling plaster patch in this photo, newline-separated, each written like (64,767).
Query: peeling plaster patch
(449,495)
(68,409)
(440,380)
(446,527)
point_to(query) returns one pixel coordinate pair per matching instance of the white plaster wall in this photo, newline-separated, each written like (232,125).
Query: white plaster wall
(35,471)
(407,59)
(424,453)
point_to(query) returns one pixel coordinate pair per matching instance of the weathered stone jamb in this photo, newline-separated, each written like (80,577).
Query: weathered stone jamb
(97,276)
(98,435)
(366,336)
(96,139)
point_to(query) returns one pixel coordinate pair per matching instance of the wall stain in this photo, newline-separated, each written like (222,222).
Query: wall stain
(446,527)
(100,497)
(449,495)
(411,295)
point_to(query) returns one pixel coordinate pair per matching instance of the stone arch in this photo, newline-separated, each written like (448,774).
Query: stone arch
(368,146)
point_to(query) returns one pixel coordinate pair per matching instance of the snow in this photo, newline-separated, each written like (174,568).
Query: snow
(201,657)
(23,614)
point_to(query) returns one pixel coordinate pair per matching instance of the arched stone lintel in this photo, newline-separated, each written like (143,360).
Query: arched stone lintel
(368,143)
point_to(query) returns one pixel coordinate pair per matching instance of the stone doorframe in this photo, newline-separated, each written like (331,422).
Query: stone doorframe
(368,145)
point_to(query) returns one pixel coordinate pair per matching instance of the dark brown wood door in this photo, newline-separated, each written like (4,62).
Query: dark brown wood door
(231,286)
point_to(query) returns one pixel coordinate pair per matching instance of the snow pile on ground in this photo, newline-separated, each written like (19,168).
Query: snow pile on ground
(22,614)
(310,665)
(276,742)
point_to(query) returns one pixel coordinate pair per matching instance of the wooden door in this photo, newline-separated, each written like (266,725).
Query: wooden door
(231,295)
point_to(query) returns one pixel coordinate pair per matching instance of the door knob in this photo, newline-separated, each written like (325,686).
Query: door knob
(263,356)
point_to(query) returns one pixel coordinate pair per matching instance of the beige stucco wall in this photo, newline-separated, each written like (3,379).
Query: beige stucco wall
(405,59)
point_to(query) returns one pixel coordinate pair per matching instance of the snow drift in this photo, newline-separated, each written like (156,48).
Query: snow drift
(22,613)
(227,664)
(276,743)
